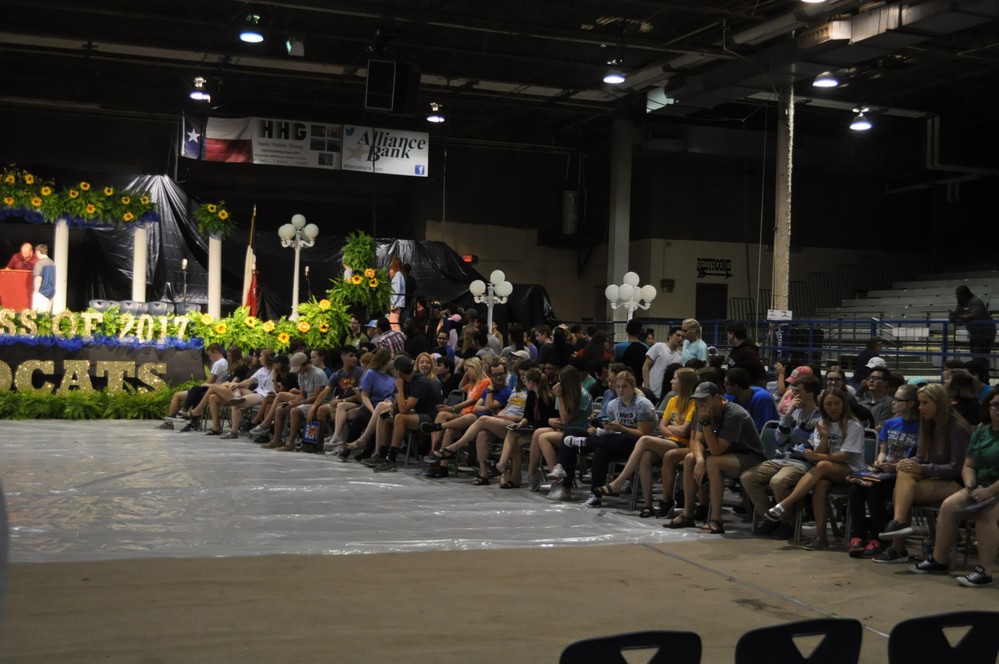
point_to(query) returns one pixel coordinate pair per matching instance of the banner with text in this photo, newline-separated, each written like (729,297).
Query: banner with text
(375,150)
(262,141)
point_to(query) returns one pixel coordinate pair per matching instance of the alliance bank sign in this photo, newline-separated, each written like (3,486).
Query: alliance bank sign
(375,150)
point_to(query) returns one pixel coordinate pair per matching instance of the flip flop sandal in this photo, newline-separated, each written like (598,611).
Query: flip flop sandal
(480,481)
(680,521)
(713,527)
(606,490)
(445,454)
(646,513)
(509,485)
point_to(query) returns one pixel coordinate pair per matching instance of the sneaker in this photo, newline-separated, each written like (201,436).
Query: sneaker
(928,566)
(558,472)
(373,461)
(343,455)
(262,438)
(176,419)
(385,466)
(872,549)
(574,441)
(592,501)
(436,472)
(892,555)
(895,529)
(259,430)
(229,435)
(430,427)
(534,482)
(193,425)
(701,513)
(564,494)
(775,513)
(245,426)
(165,426)
(816,544)
(976,578)
(555,489)
(857,546)
(666,508)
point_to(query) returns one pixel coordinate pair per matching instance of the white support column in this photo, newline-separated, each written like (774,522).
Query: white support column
(60,249)
(140,251)
(619,230)
(782,220)
(215,275)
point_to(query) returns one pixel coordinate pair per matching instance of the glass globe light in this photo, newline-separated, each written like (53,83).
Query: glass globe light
(477,287)
(626,291)
(311,231)
(612,293)
(287,232)
(298,221)
(497,277)
(631,279)
(504,288)
(649,292)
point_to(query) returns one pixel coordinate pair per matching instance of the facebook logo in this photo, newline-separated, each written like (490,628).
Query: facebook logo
(421,169)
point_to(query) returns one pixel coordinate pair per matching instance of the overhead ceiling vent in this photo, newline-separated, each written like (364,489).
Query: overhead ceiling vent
(838,30)
(618,23)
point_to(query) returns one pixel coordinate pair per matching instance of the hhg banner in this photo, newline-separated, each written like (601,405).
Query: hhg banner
(375,150)
(263,141)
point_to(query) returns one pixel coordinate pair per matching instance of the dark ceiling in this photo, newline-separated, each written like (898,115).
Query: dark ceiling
(524,70)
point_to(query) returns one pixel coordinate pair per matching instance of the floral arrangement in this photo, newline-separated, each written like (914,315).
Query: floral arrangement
(214,218)
(363,286)
(321,324)
(26,195)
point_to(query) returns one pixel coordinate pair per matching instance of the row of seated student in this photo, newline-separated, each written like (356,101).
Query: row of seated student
(707,429)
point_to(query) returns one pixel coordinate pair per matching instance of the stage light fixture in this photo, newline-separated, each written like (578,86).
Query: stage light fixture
(860,121)
(251,30)
(200,90)
(436,114)
(825,80)
(295,47)
(615,77)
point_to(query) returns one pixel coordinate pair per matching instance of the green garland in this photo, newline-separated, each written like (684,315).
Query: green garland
(364,286)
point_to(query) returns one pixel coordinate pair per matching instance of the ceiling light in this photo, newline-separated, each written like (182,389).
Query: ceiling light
(813,2)
(860,122)
(295,47)
(825,80)
(251,32)
(436,114)
(200,90)
(615,77)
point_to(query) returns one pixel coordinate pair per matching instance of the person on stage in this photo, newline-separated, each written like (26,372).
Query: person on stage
(43,281)
(24,259)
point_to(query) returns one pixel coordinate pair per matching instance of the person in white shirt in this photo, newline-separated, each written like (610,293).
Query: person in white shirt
(659,357)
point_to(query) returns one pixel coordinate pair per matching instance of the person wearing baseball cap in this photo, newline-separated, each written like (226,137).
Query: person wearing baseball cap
(785,390)
(725,445)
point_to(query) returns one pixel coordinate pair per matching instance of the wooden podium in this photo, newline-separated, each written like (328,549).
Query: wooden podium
(15,289)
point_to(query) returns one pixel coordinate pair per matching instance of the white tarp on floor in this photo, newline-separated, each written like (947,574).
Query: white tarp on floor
(107,490)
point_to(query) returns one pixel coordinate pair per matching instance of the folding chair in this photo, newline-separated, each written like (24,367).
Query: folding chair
(776,644)
(923,639)
(671,648)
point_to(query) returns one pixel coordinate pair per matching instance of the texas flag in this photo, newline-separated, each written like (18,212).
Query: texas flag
(218,139)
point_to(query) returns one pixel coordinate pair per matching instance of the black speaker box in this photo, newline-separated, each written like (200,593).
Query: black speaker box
(392,87)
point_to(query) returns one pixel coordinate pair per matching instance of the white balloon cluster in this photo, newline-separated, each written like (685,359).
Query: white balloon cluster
(630,295)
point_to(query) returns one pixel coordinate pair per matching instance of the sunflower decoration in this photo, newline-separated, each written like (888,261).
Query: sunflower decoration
(38,199)
(268,326)
(221,328)
(283,338)
(367,288)
(245,330)
(214,218)
(322,324)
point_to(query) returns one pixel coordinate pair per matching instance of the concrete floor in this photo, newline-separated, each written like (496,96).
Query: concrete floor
(139,546)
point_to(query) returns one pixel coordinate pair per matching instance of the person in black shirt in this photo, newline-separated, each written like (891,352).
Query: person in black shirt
(632,352)
(417,401)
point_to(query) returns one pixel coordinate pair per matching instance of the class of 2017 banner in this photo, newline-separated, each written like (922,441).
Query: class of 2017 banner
(306,144)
